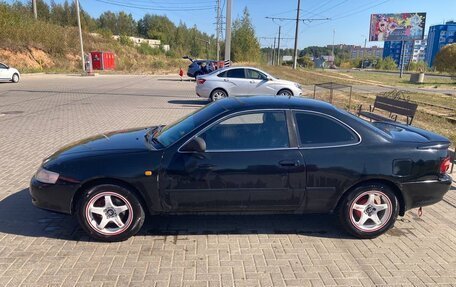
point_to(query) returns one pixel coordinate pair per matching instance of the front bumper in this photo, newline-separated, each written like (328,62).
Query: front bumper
(422,193)
(56,197)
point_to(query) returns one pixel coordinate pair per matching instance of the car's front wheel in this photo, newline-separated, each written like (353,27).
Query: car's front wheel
(285,92)
(369,211)
(218,94)
(15,78)
(110,213)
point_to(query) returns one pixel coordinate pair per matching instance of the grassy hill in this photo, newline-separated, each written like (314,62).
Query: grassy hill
(38,46)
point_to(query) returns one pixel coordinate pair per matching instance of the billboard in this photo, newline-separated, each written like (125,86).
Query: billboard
(397,27)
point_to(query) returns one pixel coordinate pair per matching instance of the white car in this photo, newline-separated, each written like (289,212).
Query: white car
(9,74)
(243,81)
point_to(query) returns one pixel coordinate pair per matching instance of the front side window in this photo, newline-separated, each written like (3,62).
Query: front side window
(254,74)
(319,130)
(258,130)
(235,73)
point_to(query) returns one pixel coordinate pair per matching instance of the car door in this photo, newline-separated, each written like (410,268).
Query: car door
(235,82)
(4,72)
(248,164)
(259,83)
(328,149)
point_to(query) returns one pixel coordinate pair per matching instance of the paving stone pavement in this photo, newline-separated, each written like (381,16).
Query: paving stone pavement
(40,248)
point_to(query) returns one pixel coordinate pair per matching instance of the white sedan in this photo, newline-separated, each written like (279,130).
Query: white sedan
(9,74)
(243,81)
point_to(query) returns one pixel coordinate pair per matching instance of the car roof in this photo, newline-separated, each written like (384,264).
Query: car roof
(275,102)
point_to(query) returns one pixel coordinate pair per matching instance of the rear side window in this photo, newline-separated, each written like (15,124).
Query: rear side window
(318,130)
(235,73)
(222,75)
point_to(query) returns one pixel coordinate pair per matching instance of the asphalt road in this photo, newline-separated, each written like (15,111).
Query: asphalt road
(40,248)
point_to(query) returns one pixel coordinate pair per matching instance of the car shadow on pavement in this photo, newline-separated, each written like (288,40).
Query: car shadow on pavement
(189,102)
(18,216)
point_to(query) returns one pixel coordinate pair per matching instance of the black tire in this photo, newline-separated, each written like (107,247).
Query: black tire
(15,78)
(359,207)
(285,92)
(93,208)
(218,94)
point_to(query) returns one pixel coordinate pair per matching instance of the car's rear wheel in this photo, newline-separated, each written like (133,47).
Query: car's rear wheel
(285,92)
(218,94)
(110,213)
(369,211)
(15,78)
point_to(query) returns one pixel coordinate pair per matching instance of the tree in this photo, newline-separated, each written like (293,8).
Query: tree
(108,20)
(245,45)
(386,64)
(445,60)
(126,25)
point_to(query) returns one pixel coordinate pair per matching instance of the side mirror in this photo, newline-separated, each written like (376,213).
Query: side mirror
(197,144)
(269,79)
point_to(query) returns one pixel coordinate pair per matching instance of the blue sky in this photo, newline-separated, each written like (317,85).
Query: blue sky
(350,17)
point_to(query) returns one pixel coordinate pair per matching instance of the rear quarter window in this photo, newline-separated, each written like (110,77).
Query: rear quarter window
(315,130)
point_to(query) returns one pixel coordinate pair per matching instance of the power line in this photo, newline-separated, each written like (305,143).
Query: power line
(189,8)
(294,19)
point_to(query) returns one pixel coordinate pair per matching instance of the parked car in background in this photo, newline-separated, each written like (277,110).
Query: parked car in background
(243,81)
(9,74)
(243,155)
(200,67)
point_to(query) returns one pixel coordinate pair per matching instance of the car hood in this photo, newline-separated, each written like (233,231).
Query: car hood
(131,140)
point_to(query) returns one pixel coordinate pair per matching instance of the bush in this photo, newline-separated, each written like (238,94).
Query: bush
(386,64)
(145,49)
(305,62)
(125,41)
(418,67)
(445,60)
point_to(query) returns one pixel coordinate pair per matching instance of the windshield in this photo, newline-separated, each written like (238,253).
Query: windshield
(180,128)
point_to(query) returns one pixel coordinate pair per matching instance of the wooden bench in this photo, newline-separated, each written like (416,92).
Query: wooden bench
(393,107)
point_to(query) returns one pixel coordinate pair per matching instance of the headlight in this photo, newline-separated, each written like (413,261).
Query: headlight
(298,86)
(46,176)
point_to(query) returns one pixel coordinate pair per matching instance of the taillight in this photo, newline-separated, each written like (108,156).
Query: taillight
(201,81)
(445,165)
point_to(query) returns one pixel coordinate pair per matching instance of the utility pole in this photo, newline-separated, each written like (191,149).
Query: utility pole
(274,52)
(80,36)
(297,19)
(295,52)
(35,12)
(334,35)
(228,32)
(278,48)
(218,30)
(364,53)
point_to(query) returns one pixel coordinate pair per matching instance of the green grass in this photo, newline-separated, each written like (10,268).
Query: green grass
(432,108)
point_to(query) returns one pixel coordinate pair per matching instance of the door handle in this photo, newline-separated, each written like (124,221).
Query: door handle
(225,80)
(289,163)
(252,82)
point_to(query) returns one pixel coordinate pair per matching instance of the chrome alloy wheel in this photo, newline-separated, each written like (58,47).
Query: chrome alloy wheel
(286,93)
(109,213)
(218,95)
(370,211)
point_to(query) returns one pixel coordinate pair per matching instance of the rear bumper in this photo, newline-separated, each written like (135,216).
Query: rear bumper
(56,197)
(422,193)
(203,92)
